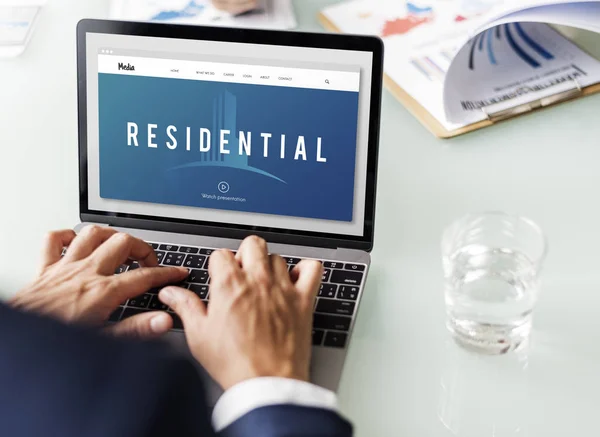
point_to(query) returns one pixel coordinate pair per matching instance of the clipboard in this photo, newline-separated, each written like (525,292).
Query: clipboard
(436,128)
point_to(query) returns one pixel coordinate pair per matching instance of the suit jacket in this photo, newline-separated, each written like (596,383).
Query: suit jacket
(66,381)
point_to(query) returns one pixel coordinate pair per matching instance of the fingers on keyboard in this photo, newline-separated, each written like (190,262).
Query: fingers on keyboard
(334,309)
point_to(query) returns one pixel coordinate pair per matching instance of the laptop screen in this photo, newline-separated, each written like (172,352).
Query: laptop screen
(233,133)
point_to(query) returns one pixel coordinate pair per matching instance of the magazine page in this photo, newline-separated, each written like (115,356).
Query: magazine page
(582,14)
(422,38)
(514,64)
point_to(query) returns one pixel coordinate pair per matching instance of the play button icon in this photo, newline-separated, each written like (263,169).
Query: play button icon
(223,187)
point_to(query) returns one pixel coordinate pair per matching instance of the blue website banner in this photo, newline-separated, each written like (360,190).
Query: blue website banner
(254,148)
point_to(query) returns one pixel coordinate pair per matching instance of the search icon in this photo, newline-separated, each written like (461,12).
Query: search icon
(327,81)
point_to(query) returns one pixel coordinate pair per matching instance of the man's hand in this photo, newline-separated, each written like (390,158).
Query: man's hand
(81,286)
(259,320)
(235,7)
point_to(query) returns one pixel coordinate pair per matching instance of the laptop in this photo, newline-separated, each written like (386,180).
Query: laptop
(192,138)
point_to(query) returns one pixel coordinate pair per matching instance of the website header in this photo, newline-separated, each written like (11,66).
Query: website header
(229,72)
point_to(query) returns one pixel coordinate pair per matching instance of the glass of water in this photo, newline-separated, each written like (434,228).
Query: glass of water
(492,264)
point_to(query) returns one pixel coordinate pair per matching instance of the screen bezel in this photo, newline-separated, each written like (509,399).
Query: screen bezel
(267,37)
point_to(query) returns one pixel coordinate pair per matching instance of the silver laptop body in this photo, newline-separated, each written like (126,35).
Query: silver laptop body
(114,57)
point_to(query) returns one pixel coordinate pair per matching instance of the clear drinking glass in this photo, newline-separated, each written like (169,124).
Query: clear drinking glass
(492,263)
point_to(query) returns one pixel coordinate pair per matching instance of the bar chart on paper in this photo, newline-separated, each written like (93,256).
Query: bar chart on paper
(274,14)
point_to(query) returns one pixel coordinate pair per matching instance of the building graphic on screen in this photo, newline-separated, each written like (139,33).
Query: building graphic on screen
(225,118)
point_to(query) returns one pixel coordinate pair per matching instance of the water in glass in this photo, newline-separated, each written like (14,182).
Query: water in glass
(490,293)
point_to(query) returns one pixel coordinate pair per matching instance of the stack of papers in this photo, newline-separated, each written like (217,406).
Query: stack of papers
(270,14)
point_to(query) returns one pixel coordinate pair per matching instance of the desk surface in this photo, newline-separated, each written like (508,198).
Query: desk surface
(403,376)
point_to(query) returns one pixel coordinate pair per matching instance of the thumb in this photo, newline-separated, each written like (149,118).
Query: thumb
(144,326)
(186,304)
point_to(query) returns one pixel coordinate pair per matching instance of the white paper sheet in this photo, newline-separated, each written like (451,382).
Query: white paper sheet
(271,14)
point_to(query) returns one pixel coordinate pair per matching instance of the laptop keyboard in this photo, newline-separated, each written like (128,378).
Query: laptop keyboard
(334,307)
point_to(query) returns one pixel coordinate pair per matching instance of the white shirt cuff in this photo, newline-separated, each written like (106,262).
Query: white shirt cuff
(261,392)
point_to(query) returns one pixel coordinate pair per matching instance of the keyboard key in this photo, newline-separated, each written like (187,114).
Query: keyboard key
(335,339)
(327,290)
(121,269)
(291,261)
(355,267)
(134,265)
(346,277)
(326,321)
(185,249)
(173,259)
(155,290)
(333,265)
(177,323)
(140,301)
(317,337)
(159,256)
(132,312)
(200,290)
(326,275)
(198,276)
(169,247)
(332,306)
(194,261)
(206,251)
(156,304)
(347,292)
(154,245)
(115,315)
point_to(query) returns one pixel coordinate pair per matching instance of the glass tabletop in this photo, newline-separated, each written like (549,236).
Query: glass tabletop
(403,375)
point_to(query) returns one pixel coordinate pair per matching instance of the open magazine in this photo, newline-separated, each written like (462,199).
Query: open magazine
(465,61)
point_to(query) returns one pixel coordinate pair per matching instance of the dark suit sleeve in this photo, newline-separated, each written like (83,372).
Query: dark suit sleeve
(64,381)
(289,421)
